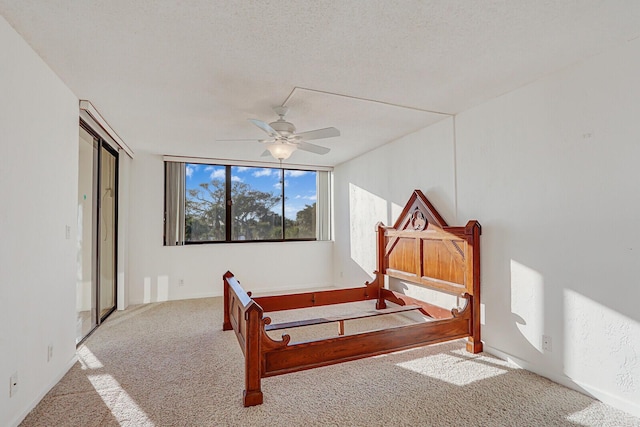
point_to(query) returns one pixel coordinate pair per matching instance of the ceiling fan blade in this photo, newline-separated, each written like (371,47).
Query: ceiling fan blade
(319,133)
(265,127)
(235,140)
(266,153)
(305,146)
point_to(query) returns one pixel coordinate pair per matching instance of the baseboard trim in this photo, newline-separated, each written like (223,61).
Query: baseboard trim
(17,420)
(594,392)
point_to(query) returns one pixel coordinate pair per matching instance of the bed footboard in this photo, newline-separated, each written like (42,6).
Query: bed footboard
(245,316)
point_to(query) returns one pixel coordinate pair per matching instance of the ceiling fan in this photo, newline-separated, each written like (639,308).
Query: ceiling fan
(283,139)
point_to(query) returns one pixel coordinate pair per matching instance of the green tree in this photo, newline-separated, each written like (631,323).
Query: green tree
(304,226)
(205,212)
(253,218)
(252,214)
(306,219)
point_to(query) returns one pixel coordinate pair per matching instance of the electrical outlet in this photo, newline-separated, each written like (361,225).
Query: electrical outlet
(50,352)
(67,232)
(546,343)
(13,384)
(180,282)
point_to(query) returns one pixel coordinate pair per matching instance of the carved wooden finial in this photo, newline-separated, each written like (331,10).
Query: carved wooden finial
(418,213)
(418,220)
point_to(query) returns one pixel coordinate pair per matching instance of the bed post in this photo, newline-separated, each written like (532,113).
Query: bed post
(253,356)
(226,323)
(473,230)
(380,255)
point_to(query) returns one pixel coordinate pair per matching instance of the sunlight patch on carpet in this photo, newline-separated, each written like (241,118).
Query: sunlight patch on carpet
(451,369)
(87,359)
(596,414)
(125,410)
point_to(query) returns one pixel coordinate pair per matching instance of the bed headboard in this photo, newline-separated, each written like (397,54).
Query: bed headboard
(421,248)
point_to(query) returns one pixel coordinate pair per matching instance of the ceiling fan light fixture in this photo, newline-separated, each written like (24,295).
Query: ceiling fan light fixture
(284,140)
(281,151)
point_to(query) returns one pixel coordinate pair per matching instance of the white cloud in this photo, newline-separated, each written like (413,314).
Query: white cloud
(312,197)
(295,173)
(189,171)
(290,211)
(236,178)
(208,168)
(217,174)
(241,169)
(263,172)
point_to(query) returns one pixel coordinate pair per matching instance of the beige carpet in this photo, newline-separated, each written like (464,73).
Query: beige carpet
(170,364)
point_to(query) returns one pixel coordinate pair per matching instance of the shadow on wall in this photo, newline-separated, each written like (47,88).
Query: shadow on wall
(528,302)
(559,328)
(521,307)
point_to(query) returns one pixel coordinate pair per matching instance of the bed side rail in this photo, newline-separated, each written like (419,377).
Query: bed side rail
(370,291)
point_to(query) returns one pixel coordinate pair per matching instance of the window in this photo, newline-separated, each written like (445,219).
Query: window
(207,203)
(256,203)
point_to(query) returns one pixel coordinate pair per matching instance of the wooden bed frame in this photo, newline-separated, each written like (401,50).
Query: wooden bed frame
(421,249)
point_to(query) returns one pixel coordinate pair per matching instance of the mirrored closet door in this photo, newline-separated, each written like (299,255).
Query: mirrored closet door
(97,237)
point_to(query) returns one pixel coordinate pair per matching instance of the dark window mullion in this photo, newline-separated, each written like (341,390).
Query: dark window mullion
(229,203)
(283,220)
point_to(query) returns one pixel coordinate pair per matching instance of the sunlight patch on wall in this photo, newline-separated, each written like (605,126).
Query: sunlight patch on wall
(589,324)
(527,302)
(124,409)
(162,290)
(365,211)
(452,369)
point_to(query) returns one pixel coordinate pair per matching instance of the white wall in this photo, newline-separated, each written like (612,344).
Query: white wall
(38,185)
(85,229)
(156,270)
(124,183)
(551,172)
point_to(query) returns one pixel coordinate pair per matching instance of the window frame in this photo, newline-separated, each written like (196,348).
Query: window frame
(229,202)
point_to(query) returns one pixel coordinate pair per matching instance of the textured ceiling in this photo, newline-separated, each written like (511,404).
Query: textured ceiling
(178,77)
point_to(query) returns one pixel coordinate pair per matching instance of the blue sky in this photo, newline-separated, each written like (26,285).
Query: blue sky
(300,186)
